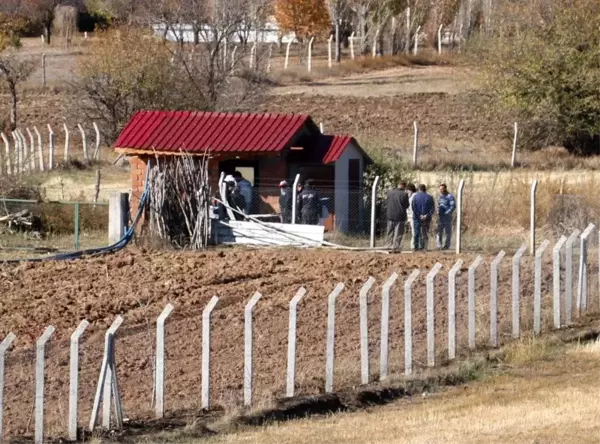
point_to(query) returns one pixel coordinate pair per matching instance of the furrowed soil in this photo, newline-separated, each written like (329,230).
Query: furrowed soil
(138,284)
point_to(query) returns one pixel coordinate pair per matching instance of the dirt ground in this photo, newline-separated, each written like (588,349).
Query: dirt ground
(138,285)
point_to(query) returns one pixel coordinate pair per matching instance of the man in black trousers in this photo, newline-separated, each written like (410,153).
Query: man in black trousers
(397,204)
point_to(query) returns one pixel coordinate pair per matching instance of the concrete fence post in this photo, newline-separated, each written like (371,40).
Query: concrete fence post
(50,148)
(330,346)
(17,152)
(248,348)
(439,36)
(431,314)
(583,270)
(310,43)
(416,44)
(291,355)
(459,208)
(7,151)
(452,309)
(556,280)
(415,144)
(374,52)
(40,365)
(86,157)
(206,316)
(352,45)
(295,198)
(408,321)
(103,396)
(569,276)
(118,204)
(74,378)
(287,55)
(516,329)
(40,148)
(364,330)
(537,291)
(513,160)
(329,43)
(4,346)
(471,300)
(494,298)
(25,150)
(534,185)
(385,326)
(373,209)
(31,149)
(67,143)
(109,394)
(159,367)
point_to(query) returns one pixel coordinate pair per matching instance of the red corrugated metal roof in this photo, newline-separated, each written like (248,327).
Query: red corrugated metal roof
(336,148)
(172,131)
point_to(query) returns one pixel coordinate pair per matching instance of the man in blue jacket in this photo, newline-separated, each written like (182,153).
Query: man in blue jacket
(446,206)
(423,208)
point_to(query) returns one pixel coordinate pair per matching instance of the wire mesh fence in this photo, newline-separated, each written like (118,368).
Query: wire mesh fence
(29,227)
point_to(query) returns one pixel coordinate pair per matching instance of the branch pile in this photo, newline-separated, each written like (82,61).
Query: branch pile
(179,201)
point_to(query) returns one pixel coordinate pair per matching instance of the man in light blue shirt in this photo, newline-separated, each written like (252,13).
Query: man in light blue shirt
(446,206)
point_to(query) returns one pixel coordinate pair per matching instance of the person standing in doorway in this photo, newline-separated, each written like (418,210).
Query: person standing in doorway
(245,189)
(423,207)
(411,190)
(309,204)
(285,202)
(396,205)
(446,207)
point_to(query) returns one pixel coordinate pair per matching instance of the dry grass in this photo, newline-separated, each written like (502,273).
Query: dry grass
(549,395)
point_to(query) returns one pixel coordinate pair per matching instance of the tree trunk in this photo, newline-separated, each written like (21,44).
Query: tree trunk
(362,24)
(13,105)
(338,42)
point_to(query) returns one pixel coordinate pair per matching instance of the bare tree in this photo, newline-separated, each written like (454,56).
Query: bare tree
(337,10)
(14,71)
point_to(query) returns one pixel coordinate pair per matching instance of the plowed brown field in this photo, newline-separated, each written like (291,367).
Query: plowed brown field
(138,284)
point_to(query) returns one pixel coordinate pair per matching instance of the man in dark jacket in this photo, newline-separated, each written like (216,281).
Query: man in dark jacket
(397,204)
(446,206)
(285,202)
(309,204)
(423,207)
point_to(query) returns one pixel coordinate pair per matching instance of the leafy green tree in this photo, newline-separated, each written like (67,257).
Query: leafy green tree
(546,70)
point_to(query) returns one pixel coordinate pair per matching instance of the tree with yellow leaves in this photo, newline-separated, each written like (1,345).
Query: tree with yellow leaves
(305,18)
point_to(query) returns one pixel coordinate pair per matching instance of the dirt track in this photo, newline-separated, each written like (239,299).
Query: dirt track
(138,285)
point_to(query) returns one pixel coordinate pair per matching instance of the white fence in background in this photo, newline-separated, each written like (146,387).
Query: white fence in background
(108,393)
(25,154)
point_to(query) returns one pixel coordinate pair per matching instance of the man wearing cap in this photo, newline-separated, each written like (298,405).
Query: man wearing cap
(285,202)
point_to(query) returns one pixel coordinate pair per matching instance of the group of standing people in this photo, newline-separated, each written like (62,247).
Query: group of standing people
(308,203)
(413,204)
